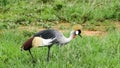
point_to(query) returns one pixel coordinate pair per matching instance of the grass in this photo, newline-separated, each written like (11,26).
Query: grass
(25,12)
(86,52)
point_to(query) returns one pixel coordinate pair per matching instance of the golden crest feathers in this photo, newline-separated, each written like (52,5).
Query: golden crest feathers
(77,27)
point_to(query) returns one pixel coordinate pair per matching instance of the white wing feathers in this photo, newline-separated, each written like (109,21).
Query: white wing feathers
(38,41)
(48,41)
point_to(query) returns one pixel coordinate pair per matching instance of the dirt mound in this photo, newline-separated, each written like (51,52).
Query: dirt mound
(94,33)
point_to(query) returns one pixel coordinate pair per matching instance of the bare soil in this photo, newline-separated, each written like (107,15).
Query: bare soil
(67,27)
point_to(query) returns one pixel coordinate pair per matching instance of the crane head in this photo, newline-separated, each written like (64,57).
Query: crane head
(78,32)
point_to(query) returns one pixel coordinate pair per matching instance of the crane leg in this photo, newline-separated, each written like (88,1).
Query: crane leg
(32,56)
(48,55)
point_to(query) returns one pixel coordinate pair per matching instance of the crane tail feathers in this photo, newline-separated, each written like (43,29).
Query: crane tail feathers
(27,45)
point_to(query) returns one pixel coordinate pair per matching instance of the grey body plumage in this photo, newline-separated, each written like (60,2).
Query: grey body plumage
(51,33)
(56,36)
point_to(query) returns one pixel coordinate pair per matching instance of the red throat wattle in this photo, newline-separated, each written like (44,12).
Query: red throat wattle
(74,36)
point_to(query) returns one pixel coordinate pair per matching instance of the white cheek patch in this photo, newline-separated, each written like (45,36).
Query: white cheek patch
(76,32)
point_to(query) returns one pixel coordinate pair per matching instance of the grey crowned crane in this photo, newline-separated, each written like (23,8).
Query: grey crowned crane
(47,38)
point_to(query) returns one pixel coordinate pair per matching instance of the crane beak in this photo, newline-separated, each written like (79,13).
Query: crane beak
(80,35)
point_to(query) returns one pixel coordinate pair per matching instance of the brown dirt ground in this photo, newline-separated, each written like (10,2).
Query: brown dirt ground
(67,28)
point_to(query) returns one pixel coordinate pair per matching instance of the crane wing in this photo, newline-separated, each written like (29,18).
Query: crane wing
(46,34)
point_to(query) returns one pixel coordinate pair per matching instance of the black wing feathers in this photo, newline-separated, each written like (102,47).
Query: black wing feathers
(46,34)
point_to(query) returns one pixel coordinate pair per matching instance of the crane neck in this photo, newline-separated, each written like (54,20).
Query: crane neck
(70,37)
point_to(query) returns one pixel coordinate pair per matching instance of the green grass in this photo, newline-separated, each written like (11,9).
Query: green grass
(86,52)
(25,12)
